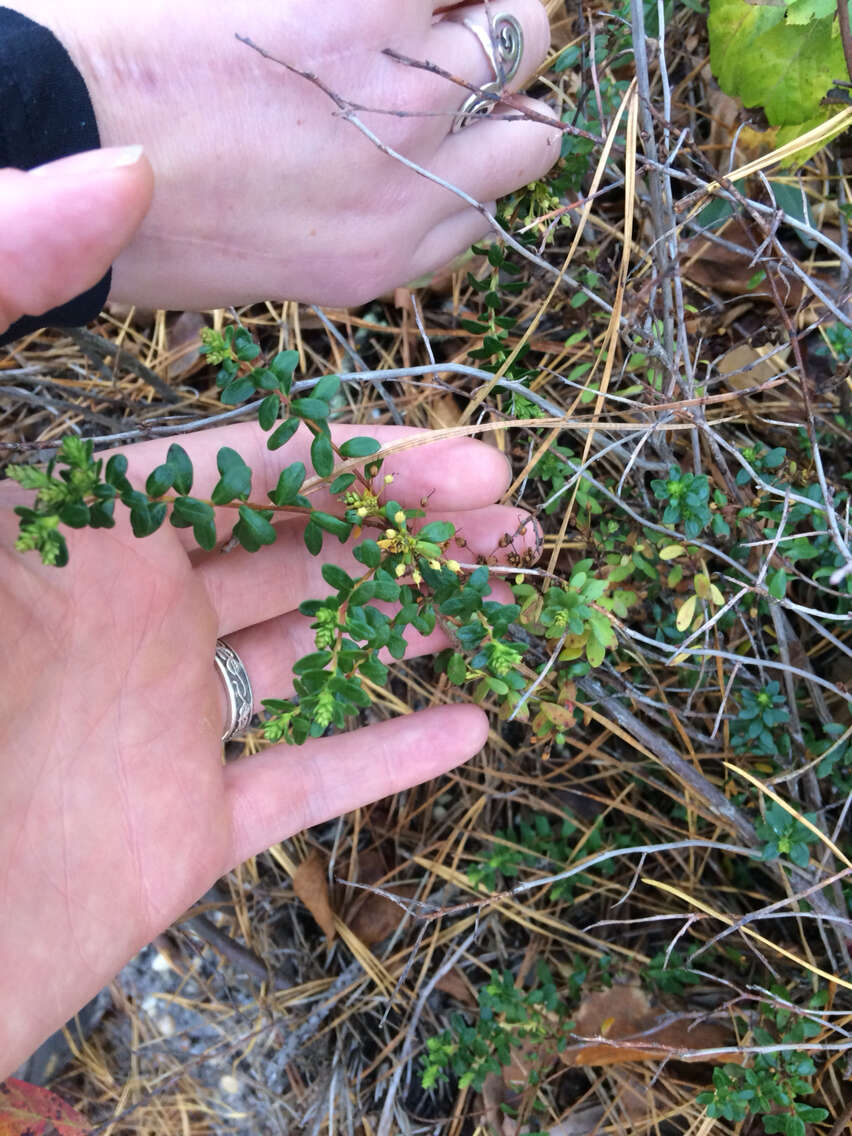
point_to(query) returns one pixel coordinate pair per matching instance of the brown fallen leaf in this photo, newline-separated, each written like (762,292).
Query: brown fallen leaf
(733,366)
(371,866)
(730,273)
(457,986)
(508,1089)
(310,884)
(630,1028)
(444,410)
(183,341)
(377,917)
(492,1096)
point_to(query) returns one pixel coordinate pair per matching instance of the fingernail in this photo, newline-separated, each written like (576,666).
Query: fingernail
(91,162)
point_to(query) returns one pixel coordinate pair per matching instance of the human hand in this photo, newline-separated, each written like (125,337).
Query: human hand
(262,189)
(116,811)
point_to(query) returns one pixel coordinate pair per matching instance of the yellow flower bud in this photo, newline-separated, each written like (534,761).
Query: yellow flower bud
(390,533)
(388,479)
(416,577)
(435,565)
(399,518)
(399,570)
(454,565)
(362,512)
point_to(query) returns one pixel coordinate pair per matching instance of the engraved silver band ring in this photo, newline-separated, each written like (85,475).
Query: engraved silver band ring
(503,44)
(237,688)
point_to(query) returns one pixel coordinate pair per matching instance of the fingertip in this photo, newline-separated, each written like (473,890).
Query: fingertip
(495,467)
(545,132)
(436,740)
(476,726)
(473,474)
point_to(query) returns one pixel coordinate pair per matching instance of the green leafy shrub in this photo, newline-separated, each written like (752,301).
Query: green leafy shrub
(836,753)
(687,497)
(497,287)
(405,558)
(755,727)
(570,611)
(508,1018)
(784,835)
(808,544)
(775,1084)
(555,468)
(670,972)
(529,842)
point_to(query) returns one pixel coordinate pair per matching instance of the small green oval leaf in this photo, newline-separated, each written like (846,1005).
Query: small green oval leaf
(181,467)
(310,408)
(283,434)
(327,388)
(267,412)
(360,447)
(159,481)
(322,455)
(289,483)
(235,480)
(437,531)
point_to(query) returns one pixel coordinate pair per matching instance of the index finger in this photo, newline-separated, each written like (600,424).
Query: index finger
(455,473)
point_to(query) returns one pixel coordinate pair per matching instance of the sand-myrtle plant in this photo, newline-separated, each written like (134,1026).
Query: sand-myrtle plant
(578,614)
(670,972)
(687,497)
(758,725)
(835,749)
(555,467)
(539,840)
(784,835)
(776,1085)
(498,286)
(405,559)
(509,1018)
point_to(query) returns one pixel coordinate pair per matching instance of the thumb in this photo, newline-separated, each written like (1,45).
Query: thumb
(62,225)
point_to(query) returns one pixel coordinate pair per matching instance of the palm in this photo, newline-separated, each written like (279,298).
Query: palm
(116,810)
(117,819)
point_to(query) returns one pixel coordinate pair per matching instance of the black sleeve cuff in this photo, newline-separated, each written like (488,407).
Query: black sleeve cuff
(45,114)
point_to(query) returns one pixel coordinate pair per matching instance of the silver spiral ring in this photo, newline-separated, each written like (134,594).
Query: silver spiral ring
(503,44)
(237,687)
(510,46)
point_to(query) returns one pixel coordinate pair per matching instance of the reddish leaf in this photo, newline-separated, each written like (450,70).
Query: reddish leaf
(27,1110)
